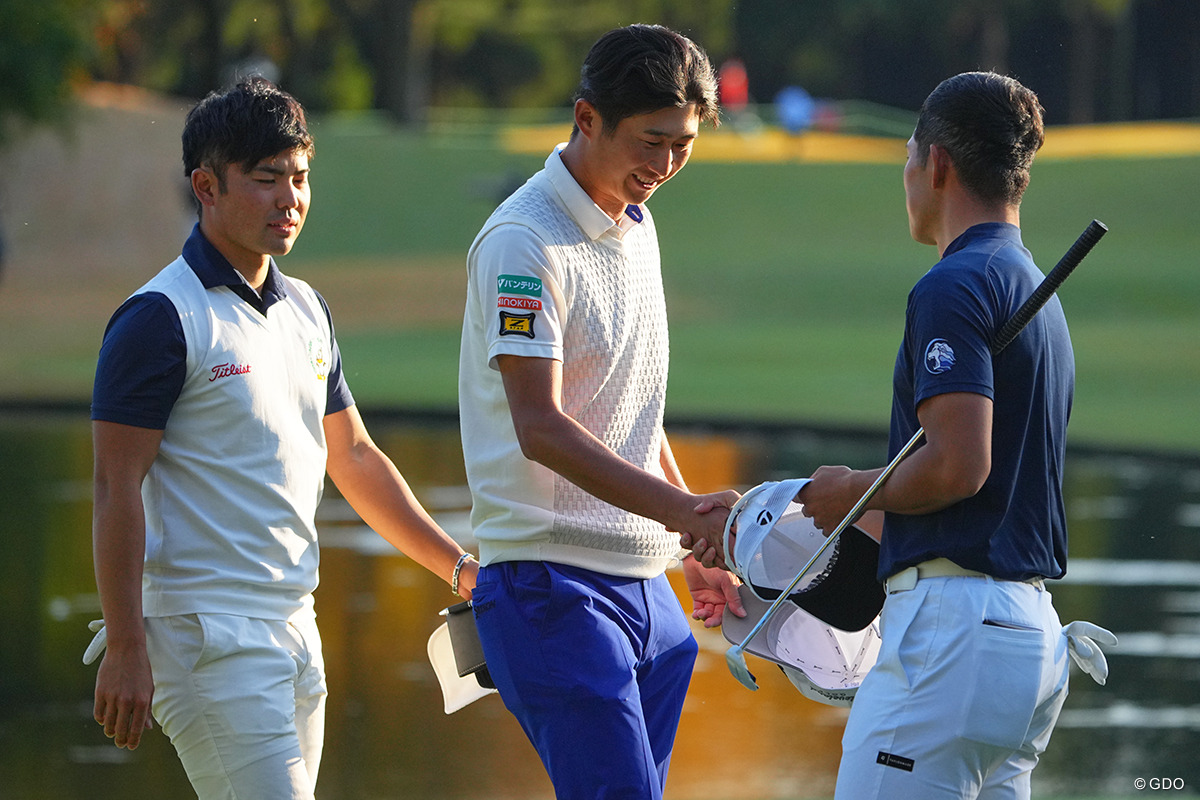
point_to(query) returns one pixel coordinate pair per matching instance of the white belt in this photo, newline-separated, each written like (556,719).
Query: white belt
(907,579)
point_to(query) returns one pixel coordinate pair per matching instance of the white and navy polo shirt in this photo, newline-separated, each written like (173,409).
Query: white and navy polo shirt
(239,384)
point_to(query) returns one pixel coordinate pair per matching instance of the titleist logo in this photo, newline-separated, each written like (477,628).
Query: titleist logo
(225,370)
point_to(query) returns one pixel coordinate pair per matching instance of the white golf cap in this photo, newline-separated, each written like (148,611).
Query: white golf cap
(768,541)
(457,691)
(825,664)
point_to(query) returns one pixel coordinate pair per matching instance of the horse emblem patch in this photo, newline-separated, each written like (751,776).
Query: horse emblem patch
(939,357)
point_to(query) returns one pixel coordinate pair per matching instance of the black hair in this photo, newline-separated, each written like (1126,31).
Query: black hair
(243,125)
(990,125)
(640,69)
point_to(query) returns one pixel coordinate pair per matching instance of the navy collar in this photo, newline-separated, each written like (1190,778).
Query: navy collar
(985,230)
(214,270)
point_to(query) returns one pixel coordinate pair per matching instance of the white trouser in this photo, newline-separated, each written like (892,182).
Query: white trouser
(243,701)
(971,676)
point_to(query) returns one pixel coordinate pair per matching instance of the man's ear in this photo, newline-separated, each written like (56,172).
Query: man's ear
(204,185)
(940,166)
(587,119)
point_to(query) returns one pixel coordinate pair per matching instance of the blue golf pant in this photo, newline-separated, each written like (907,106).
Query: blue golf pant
(595,669)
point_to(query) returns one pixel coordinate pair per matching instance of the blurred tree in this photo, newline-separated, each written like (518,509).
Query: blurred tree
(387,36)
(500,53)
(1087,59)
(192,47)
(395,55)
(888,51)
(1093,25)
(1165,65)
(44,45)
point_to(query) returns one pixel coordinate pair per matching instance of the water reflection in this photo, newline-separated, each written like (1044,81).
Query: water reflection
(1135,568)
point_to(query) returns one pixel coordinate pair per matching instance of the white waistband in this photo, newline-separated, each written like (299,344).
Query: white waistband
(907,579)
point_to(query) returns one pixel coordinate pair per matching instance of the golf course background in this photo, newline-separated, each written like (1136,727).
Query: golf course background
(786,261)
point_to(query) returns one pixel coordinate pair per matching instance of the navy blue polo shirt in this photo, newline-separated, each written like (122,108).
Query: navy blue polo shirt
(1015,527)
(142,363)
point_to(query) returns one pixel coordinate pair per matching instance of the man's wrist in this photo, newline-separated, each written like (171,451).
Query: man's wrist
(454,577)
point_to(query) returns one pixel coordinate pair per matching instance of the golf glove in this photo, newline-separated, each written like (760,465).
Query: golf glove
(1083,643)
(98,643)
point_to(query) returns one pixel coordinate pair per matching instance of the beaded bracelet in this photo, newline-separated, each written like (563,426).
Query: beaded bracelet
(458,569)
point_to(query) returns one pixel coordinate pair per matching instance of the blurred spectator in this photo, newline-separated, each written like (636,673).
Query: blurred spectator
(733,85)
(795,109)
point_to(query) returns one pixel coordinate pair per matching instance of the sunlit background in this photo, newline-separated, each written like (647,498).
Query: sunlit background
(786,263)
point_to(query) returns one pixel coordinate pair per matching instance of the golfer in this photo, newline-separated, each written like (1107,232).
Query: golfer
(561,386)
(972,671)
(219,405)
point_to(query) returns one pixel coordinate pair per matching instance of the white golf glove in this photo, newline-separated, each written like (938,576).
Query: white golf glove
(98,643)
(1083,643)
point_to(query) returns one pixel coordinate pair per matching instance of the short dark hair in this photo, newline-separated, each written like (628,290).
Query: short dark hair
(640,69)
(243,125)
(990,125)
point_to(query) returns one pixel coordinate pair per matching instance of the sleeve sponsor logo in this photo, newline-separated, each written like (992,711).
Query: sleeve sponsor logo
(939,357)
(519,284)
(523,303)
(516,324)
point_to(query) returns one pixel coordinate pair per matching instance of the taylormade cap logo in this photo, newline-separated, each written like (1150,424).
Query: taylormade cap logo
(939,356)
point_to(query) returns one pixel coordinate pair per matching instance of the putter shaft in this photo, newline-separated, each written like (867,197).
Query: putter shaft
(735,656)
(845,523)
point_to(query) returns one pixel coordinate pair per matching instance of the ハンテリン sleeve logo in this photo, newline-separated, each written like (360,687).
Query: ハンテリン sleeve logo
(939,357)
(524,285)
(521,292)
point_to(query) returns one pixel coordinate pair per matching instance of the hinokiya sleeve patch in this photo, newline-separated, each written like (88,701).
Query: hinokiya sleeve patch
(516,324)
(526,303)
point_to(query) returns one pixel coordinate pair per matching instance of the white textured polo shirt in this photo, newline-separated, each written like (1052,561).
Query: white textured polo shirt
(551,275)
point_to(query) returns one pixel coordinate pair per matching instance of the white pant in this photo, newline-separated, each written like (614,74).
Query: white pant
(971,676)
(243,701)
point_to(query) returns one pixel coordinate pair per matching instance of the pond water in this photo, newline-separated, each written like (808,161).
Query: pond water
(1135,569)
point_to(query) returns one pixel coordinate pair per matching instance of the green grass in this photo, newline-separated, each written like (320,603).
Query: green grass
(384,193)
(786,283)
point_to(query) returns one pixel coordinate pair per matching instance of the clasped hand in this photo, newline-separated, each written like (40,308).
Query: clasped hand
(705,537)
(713,589)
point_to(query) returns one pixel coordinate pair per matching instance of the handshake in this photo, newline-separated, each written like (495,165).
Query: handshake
(705,536)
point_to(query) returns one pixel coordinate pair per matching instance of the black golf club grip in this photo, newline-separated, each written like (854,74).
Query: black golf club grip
(1083,245)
